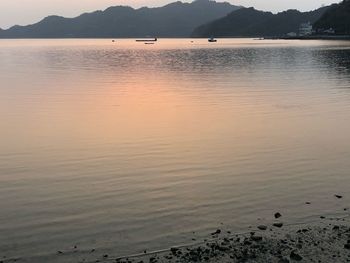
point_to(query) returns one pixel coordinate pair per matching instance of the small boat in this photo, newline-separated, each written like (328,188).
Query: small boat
(212,39)
(147,40)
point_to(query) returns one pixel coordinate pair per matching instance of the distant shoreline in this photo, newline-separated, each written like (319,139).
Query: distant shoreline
(317,37)
(323,37)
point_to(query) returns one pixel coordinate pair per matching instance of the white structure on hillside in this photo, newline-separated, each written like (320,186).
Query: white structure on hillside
(305,29)
(329,31)
(291,34)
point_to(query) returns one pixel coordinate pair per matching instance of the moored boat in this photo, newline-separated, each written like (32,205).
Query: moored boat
(147,40)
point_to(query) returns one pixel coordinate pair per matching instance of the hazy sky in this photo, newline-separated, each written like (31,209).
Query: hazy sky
(24,12)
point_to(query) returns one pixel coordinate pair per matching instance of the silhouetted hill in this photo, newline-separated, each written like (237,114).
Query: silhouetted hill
(249,22)
(336,17)
(173,20)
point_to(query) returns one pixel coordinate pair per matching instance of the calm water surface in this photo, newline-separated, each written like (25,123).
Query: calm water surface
(123,146)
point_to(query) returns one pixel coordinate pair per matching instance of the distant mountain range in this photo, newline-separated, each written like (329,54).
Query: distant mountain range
(249,22)
(201,18)
(336,17)
(173,20)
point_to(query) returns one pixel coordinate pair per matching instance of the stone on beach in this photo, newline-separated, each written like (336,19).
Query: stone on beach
(295,256)
(256,238)
(174,250)
(278,215)
(262,227)
(218,231)
(279,224)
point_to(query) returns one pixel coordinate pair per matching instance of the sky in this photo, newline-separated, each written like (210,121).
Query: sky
(23,12)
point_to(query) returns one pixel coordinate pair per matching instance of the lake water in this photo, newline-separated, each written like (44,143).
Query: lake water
(122,147)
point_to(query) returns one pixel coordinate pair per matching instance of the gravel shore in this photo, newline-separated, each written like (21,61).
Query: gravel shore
(325,241)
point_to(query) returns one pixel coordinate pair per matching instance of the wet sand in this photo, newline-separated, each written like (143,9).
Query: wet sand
(325,239)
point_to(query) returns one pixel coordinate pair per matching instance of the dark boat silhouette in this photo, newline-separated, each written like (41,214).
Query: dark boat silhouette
(147,40)
(212,39)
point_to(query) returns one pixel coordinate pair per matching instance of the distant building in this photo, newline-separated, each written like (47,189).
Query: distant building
(291,34)
(329,31)
(305,29)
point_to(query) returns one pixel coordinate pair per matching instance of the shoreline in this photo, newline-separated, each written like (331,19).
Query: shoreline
(325,240)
